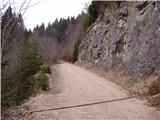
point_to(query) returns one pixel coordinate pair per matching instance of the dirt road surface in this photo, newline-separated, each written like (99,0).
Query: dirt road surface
(75,86)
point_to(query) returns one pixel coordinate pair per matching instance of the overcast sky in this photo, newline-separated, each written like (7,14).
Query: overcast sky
(48,10)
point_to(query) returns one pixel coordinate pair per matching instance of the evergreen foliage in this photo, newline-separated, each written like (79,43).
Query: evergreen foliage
(76,51)
(23,80)
(32,59)
(95,8)
(42,82)
(21,55)
(92,14)
(46,69)
(57,29)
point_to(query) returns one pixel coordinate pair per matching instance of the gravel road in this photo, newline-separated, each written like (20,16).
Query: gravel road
(75,86)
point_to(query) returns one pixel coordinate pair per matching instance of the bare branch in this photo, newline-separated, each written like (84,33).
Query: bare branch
(11,21)
(31,5)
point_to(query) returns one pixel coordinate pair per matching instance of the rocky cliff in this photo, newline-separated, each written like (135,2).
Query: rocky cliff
(125,37)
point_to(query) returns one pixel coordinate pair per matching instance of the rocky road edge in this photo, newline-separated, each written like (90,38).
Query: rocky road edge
(146,88)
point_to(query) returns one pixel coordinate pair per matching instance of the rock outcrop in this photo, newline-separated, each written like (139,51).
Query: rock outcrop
(125,38)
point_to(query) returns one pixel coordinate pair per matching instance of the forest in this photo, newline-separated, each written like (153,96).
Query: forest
(26,52)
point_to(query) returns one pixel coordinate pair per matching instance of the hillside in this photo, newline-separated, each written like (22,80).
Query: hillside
(125,38)
(110,53)
(57,40)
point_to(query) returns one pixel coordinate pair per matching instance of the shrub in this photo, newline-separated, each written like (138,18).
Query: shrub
(88,21)
(95,8)
(42,82)
(46,69)
(7,99)
(92,14)
(76,51)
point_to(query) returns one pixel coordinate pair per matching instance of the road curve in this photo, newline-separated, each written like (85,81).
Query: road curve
(76,86)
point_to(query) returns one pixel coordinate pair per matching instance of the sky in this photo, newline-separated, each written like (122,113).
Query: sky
(48,10)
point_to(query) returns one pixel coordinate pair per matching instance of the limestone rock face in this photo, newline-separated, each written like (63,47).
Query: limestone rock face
(127,38)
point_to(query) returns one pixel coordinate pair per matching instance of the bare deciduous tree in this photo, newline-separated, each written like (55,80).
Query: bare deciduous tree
(11,21)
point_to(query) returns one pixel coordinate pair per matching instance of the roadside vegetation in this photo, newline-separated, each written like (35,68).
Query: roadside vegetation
(95,9)
(23,84)
(42,79)
(76,51)
(24,71)
(92,14)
